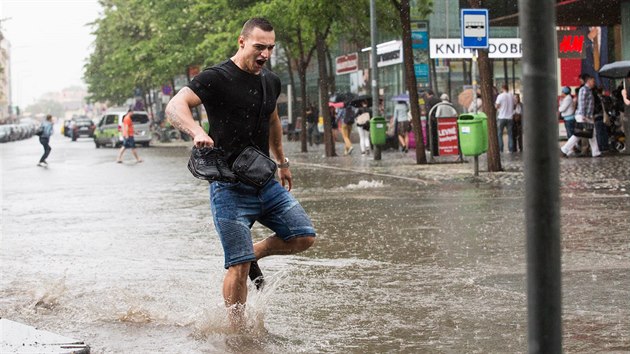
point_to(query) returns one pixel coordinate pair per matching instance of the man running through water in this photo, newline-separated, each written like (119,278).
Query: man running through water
(232,95)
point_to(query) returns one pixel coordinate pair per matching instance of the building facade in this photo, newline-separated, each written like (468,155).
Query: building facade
(5,80)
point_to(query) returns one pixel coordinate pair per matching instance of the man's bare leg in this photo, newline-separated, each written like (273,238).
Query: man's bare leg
(120,154)
(135,154)
(235,281)
(273,245)
(235,294)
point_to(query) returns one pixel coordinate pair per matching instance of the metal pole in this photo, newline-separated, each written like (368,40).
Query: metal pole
(290,102)
(537,19)
(473,70)
(374,78)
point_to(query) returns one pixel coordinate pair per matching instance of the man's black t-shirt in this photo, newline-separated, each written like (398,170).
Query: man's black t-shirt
(232,99)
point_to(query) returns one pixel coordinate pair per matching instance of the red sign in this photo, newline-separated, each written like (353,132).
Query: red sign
(447,136)
(347,63)
(570,44)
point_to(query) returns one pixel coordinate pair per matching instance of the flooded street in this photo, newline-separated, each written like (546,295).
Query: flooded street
(409,259)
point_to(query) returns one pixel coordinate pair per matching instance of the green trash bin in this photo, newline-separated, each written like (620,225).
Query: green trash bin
(378,130)
(484,127)
(471,136)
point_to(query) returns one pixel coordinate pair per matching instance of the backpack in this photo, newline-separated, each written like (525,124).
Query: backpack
(348,117)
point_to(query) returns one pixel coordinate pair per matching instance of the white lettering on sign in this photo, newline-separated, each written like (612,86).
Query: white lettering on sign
(346,64)
(448,131)
(451,48)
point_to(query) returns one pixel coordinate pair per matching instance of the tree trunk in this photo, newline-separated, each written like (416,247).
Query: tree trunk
(485,79)
(410,79)
(332,84)
(323,91)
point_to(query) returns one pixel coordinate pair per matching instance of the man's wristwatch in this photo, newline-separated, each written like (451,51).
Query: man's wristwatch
(284,164)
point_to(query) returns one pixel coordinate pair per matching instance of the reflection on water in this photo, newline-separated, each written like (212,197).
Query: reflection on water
(401,264)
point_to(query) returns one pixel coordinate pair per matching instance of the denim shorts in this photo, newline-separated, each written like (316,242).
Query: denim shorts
(129,143)
(235,208)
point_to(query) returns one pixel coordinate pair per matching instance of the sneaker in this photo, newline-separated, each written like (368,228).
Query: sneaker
(209,164)
(256,275)
(350,150)
(562,154)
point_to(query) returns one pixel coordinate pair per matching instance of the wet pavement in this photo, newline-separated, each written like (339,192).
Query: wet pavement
(409,258)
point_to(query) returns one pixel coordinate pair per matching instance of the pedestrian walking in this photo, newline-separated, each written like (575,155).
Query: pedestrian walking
(517,129)
(312,119)
(240,96)
(505,114)
(567,111)
(601,133)
(363,125)
(584,114)
(44,139)
(128,139)
(431,123)
(334,124)
(401,117)
(347,118)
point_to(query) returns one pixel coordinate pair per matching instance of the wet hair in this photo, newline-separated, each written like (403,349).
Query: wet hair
(256,22)
(49,117)
(505,87)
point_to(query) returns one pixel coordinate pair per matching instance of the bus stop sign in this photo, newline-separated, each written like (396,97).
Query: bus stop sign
(474,26)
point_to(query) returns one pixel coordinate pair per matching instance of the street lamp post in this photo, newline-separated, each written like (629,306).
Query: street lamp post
(374,70)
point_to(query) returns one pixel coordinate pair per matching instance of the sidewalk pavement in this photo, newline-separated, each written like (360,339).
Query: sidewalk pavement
(609,172)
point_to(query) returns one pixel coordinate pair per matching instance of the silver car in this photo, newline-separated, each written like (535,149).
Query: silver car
(109,128)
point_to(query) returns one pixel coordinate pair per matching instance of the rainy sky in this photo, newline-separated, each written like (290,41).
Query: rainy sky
(50,43)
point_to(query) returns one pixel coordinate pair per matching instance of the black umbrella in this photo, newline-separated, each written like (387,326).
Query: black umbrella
(616,70)
(342,97)
(358,100)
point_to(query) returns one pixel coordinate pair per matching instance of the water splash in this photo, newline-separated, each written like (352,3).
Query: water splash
(366,185)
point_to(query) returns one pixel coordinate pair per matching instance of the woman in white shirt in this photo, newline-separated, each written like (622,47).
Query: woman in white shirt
(567,111)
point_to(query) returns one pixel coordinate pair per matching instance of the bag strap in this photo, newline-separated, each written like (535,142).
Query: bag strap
(262,106)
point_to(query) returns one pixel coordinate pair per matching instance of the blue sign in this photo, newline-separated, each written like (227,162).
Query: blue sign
(419,39)
(422,72)
(474,27)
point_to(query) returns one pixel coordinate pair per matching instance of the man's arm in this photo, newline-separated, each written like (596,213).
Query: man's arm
(179,114)
(275,144)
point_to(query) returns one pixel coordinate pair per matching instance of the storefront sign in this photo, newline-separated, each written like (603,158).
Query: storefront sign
(570,44)
(389,53)
(346,64)
(451,48)
(447,136)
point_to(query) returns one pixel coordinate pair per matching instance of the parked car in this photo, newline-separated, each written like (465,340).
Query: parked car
(109,128)
(5,133)
(83,126)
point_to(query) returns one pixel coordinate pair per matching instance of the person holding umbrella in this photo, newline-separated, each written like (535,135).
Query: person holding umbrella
(620,70)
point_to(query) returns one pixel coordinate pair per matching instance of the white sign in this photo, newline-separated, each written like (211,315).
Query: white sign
(451,48)
(389,53)
(347,64)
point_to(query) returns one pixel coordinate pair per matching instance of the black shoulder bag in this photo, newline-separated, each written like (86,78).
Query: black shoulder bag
(252,166)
